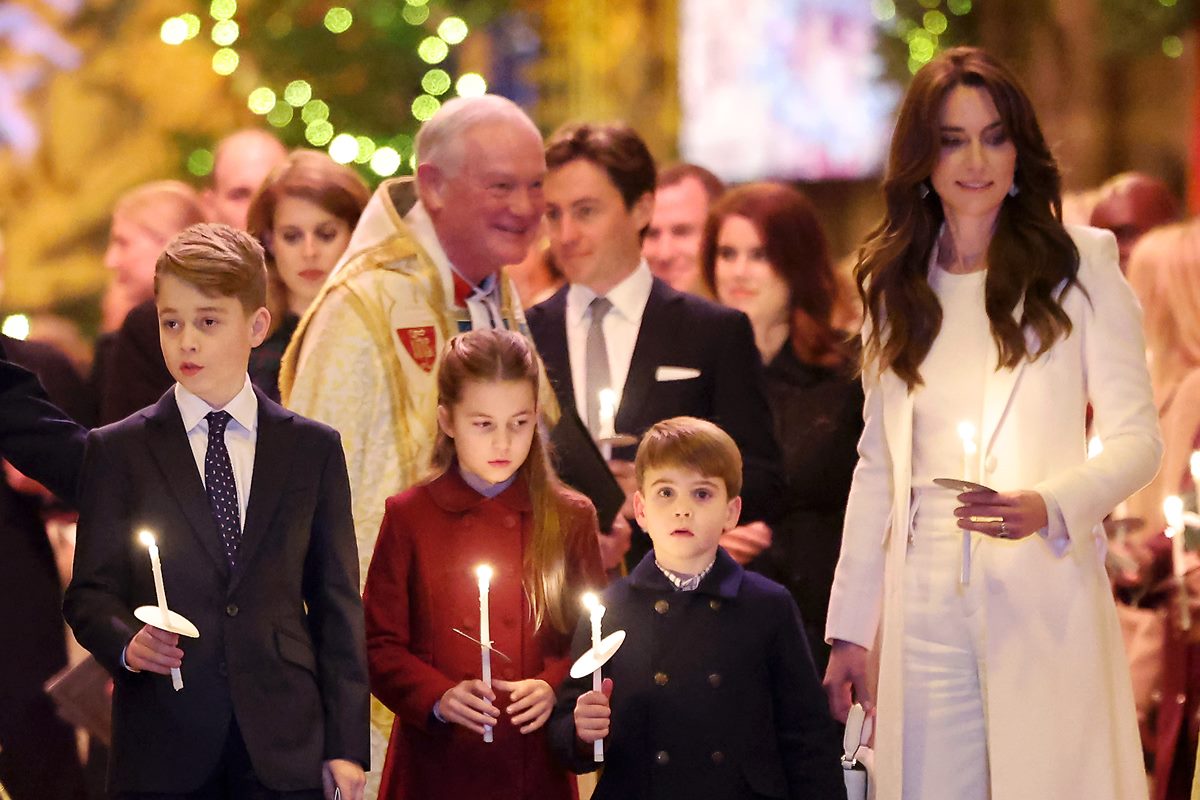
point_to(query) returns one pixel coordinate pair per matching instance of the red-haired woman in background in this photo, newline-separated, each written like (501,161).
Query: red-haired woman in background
(303,215)
(764,253)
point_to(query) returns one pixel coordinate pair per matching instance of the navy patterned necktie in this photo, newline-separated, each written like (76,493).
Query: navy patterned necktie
(220,486)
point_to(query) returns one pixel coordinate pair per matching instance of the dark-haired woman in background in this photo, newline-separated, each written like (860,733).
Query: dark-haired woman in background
(764,253)
(303,215)
(1001,674)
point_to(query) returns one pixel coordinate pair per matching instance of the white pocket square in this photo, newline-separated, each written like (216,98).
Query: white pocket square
(675,374)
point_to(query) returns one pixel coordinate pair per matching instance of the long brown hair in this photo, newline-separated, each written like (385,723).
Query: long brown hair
(490,356)
(797,251)
(308,175)
(1030,253)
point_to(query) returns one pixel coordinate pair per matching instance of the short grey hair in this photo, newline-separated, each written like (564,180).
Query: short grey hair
(440,140)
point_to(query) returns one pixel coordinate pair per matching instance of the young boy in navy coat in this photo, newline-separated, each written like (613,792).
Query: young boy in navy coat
(713,694)
(251,508)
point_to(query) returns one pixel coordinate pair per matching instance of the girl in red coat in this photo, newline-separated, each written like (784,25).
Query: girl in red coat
(493,499)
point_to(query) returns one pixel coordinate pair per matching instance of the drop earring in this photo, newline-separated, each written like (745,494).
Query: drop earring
(1014,190)
(923,190)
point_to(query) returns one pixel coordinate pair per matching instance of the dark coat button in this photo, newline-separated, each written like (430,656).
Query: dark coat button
(661,678)
(714,680)
(718,757)
(662,758)
(231,610)
(662,606)
(714,604)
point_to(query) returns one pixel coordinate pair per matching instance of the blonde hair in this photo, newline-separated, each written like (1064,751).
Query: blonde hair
(220,261)
(694,444)
(489,356)
(162,208)
(1164,271)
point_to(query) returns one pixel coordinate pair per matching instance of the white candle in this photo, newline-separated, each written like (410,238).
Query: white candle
(966,432)
(160,592)
(1173,512)
(484,573)
(1194,463)
(597,611)
(1095,447)
(608,420)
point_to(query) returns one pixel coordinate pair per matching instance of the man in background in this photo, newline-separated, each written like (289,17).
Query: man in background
(672,243)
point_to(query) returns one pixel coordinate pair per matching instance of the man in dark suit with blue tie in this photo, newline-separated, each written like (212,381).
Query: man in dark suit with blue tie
(251,508)
(614,326)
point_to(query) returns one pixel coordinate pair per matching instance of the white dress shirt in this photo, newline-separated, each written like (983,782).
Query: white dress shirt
(620,326)
(484,302)
(241,435)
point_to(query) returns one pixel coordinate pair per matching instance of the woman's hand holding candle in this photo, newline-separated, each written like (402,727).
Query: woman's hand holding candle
(1005,515)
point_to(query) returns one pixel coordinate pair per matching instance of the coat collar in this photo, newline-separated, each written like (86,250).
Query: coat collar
(451,493)
(723,580)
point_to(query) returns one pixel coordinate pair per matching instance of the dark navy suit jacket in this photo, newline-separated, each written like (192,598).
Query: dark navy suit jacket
(714,693)
(281,644)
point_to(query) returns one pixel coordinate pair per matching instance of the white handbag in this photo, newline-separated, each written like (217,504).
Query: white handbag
(856,756)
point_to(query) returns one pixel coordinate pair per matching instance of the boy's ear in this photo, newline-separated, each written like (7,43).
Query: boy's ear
(733,513)
(260,323)
(639,509)
(444,421)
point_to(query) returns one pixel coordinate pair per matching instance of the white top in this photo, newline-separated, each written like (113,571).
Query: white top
(621,325)
(241,435)
(954,372)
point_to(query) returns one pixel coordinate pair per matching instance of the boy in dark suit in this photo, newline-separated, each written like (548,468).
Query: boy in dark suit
(714,693)
(275,697)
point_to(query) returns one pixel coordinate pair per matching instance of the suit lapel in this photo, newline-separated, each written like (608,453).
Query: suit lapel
(273,457)
(552,345)
(654,335)
(171,451)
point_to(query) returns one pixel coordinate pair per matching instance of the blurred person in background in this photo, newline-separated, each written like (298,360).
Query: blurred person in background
(1129,205)
(241,162)
(671,246)
(129,372)
(303,216)
(764,253)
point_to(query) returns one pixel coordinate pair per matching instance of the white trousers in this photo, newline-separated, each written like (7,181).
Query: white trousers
(945,679)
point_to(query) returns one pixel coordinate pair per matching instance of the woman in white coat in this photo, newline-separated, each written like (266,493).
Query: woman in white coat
(979,622)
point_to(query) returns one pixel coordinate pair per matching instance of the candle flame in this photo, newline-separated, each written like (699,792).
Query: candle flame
(590,601)
(966,431)
(608,401)
(1173,511)
(1095,447)
(1195,465)
(146,538)
(484,573)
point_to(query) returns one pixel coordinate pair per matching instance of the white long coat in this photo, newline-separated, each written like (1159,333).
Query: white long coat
(1058,702)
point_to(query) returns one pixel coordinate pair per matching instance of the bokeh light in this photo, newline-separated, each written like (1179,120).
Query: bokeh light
(884,10)
(417,3)
(16,326)
(200,162)
(314,110)
(1172,46)
(318,133)
(433,50)
(261,100)
(225,61)
(471,84)
(344,148)
(281,115)
(935,22)
(297,93)
(173,31)
(415,15)
(385,162)
(366,149)
(436,81)
(452,29)
(225,32)
(959,7)
(222,9)
(338,19)
(424,107)
(193,25)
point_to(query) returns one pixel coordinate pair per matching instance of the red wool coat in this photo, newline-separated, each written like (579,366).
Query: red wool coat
(420,586)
